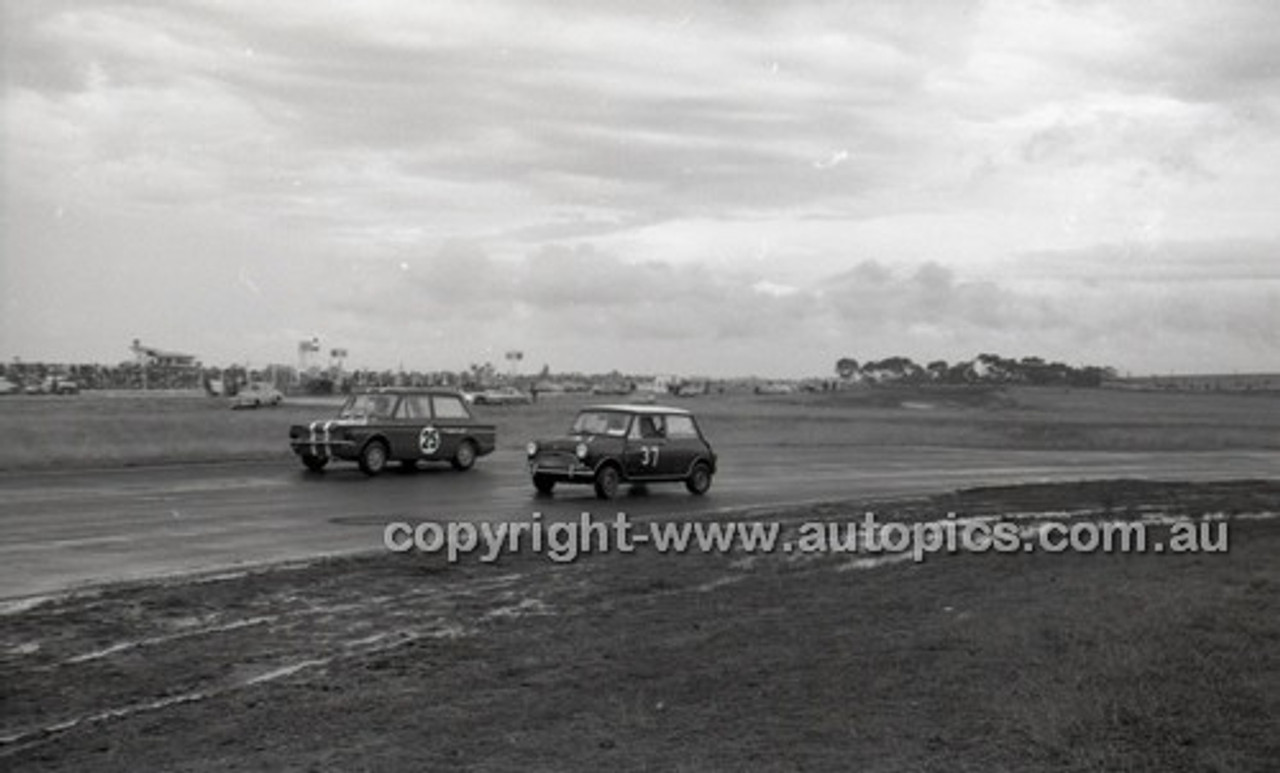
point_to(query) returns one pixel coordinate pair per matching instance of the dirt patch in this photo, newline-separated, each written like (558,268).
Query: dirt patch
(707,662)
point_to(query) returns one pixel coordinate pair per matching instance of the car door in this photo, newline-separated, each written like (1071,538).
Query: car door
(404,428)
(644,452)
(451,420)
(683,445)
(380,412)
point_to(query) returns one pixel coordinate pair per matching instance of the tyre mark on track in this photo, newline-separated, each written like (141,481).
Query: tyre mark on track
(155,640)
(323,630)
(26,739)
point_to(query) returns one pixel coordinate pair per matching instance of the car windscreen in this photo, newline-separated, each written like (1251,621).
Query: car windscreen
(368,407)
(601,423)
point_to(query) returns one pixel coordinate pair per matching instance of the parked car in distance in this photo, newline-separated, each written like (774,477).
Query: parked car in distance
(613,387)
(7,387)
(609,445)
(775,388)
(396,424)
(257,394)
(53,385)
(692,389)
(501,396)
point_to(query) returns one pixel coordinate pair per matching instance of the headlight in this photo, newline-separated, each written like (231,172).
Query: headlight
(531,449)
(581,451)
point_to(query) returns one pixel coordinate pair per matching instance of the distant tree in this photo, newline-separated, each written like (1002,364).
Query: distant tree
(893,369)
(986,368)
(997,369)
(962,373)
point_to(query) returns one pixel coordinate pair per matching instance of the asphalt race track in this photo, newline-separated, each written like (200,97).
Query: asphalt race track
(65,530)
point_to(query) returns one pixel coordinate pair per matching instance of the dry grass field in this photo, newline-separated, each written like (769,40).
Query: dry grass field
(94,431)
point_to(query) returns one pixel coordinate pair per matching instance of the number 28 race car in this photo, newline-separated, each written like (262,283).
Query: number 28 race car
(404,425)
(609,445)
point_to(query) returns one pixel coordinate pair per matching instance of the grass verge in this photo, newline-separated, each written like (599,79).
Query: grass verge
(96,431)
(696,662)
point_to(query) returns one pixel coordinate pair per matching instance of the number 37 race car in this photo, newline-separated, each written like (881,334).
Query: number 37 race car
(404,425)
(609,445)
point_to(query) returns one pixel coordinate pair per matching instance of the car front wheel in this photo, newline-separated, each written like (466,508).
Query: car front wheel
(314,463)
(373,459)
(607,482)
(699,480)
(545,484)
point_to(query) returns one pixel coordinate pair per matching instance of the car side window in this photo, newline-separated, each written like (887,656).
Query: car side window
(448,407)
(681,427)
(381,408)
(648,428)
(407,409)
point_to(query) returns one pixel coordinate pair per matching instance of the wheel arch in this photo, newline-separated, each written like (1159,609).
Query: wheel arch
(703,459)
(375,437)
(609,461)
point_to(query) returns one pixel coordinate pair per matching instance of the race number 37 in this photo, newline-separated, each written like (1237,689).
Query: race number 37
(649,456)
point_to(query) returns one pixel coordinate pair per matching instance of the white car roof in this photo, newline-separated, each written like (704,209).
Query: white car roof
(645,409)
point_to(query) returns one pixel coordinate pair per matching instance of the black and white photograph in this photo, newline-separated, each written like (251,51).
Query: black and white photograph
(688,385)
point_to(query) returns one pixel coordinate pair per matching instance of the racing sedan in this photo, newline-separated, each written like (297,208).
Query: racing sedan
(401,425)
(609,445)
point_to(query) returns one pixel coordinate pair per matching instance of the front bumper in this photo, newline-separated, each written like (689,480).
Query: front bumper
(566,470)
(342,449)
(323,440)
(339,449)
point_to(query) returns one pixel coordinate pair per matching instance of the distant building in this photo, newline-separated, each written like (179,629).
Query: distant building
(160,369)
(149,356)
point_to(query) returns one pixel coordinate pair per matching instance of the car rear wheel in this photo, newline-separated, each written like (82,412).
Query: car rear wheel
(373,458)
(544,484)
(699,480)
(607,482)
(465,456)
(313,462)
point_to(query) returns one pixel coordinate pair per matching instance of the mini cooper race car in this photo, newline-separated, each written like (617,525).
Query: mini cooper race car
(609,445)
(404,425)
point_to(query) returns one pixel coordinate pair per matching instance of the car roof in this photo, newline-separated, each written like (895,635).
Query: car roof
(639,409)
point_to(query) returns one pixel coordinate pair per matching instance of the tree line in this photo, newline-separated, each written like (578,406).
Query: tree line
(983,369)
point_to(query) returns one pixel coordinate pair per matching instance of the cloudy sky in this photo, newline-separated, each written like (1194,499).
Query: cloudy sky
(692,187)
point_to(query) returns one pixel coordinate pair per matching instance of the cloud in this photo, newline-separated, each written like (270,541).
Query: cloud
(570,304)
(575,293)
(930,297)
(745,184)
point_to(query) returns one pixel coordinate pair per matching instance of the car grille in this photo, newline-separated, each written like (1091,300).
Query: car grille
(556,459)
